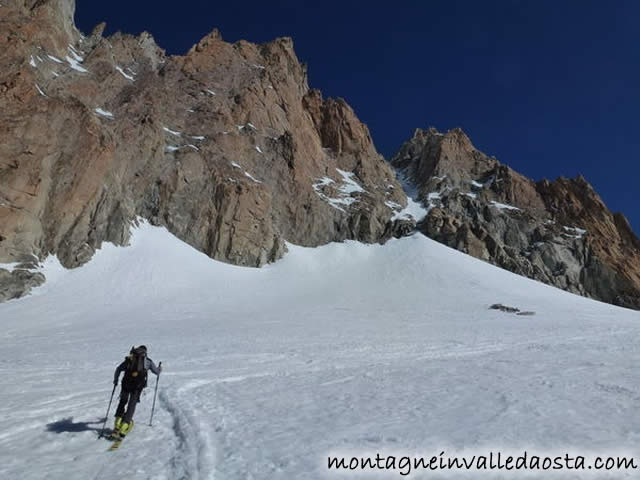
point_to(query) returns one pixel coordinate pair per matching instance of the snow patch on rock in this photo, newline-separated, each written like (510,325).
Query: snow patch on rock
(574,232)
(503,206)
(344,190)
(75,65)
(252,177)
(172,132)
(124,74)
(413,210)
(103,113)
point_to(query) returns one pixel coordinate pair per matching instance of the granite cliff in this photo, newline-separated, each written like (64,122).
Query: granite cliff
(226,146)
(229,148)
(560,232)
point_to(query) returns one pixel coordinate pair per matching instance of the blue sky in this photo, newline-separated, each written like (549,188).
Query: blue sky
(551,88)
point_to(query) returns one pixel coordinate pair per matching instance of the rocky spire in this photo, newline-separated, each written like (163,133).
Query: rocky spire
(560,232)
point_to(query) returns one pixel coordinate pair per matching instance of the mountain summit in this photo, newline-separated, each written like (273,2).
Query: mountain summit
(560,232)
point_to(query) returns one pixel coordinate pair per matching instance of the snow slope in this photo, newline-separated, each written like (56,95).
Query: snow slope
(342,347)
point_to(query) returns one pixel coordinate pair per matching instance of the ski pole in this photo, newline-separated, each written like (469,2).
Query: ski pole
(106,417)
(154,397)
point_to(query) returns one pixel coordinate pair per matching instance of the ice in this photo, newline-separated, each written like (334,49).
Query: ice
(172,148)
(32,62)
(347,346)
(103,113)
(124,74)
(477,184)
(190,145)
(261,67)
(251,125)
(470,195)
(198,137)
(55,59)
(40,90)
(235,165)
(258,149)
(211,92)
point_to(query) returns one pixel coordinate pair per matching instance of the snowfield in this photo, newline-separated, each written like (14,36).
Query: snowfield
(342,348)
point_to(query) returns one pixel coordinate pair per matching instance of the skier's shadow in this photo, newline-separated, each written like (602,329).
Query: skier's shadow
(67,425)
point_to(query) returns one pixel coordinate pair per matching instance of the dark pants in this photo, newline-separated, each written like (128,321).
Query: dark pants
(128,399)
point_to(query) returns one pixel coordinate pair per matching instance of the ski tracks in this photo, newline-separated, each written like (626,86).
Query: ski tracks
(193,457)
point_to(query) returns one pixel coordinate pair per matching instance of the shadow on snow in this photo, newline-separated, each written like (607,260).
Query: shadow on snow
(67,425)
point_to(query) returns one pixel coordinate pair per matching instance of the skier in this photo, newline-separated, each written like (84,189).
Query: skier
(135,368)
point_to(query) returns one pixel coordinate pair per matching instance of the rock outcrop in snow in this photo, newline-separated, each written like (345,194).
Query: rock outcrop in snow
(86,148)
(560,233)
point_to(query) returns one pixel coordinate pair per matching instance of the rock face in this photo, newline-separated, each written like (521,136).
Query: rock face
(231,151)
(227,146)
(560,233)
(19,282)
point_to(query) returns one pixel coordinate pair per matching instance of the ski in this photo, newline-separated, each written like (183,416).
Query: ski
(116,444)
(117,440)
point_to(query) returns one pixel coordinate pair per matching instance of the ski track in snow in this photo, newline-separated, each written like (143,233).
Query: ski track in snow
(342,347)
(193,455)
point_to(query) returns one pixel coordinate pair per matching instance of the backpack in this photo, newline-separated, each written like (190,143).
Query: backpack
(135,376)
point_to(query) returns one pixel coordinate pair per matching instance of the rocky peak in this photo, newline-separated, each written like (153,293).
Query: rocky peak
(557,232)
(98,30)
(208,41)
(226,146)
(448,162)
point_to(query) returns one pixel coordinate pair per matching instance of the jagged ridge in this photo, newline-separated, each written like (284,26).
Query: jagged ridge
(226,146)
(560,232)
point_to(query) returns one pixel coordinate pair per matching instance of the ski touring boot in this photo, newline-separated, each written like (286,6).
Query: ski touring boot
(125,428)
